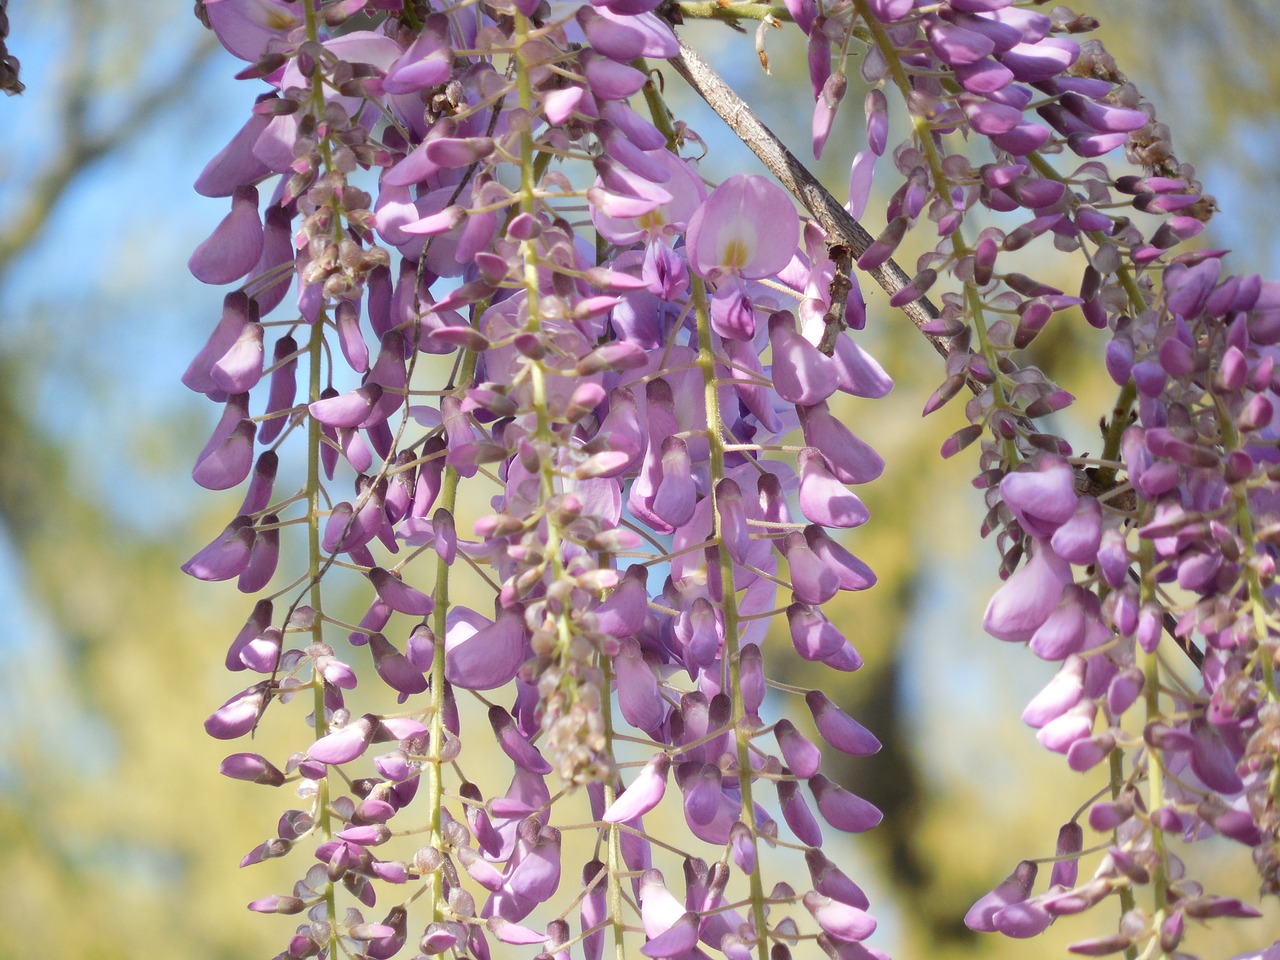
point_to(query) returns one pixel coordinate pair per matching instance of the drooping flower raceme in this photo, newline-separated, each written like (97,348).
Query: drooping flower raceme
(410,190)
(1154,550)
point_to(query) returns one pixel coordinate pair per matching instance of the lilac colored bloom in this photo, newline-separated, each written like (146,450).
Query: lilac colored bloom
(643,794)
(248,28)
(840,921)
(824,499)
(228,457)
(227,556)
(481,656)
(240,368)
(1021,920)
(344,745)
(814,636)
(426,63)
(957,45)
(1061,694)
(638,694)
(238,715)
(795,810)
(676,941)
(1016,888)
(398,595)
(838,728)
(851,573)
(801,373)
(235,244)
(1027,599)
(842,809)
(252,767)
(396,669)
(1043,498)
(746,228)
(1060,733)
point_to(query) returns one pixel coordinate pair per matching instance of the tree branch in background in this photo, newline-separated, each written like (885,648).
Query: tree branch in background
(79,146)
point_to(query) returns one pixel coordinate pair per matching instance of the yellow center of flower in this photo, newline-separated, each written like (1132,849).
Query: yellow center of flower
(652,221)
(734,255)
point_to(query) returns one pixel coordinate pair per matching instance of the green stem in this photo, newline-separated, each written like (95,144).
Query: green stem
(731,13)
(613,859)
(729,605)
(447,499)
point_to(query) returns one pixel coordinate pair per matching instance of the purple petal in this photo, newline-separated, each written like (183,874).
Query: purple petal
(233,248)
(840,921)
(851,573)
(514,744)
(1042,498)
(955,45)
(427,63)
(1060,733)
(343,746)
(485,658)
(398,595)
(801,756)
(838,728)
(252,767)
(227,463)
(225,557)
(247,28)
(348,409)
(508,932)
(747,226)
(829,881)
(594,910)
(802,374)
(1044,60)
(842,809)
(395,669)
(263,557)
(812,580)
(814,636)
(1027,599)
(238,715)
(798,815)
(1021,920)
(639,697)
(677,940)
(860,373)
(1014,889)
(643,794)
(1061,694)
(850,459)
(824,499)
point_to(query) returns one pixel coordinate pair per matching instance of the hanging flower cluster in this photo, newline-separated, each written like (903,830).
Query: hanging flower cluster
(470,264)
(636,390)
(1150,570)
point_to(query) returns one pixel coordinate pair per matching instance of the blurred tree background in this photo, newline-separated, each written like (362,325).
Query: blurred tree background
(118,836)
